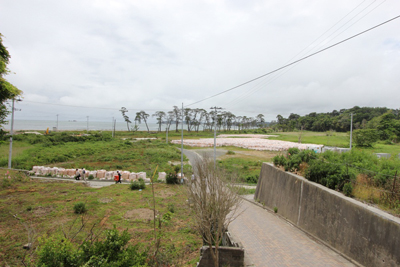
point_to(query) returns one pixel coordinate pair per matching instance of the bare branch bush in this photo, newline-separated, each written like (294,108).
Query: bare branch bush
(214,201)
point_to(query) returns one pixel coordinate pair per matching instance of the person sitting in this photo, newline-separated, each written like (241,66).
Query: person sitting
(77,175)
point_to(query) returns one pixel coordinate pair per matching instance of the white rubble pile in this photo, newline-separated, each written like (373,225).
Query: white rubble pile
(255,143)
(99,174)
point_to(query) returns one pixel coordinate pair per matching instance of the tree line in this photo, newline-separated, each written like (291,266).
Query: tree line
(195,120)
(370,123)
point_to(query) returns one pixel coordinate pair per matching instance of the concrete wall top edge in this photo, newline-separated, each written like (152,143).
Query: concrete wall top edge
(372,209)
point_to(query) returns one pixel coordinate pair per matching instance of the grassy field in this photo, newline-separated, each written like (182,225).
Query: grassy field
(326,138)
(134,156)
(333,139)
(46,208)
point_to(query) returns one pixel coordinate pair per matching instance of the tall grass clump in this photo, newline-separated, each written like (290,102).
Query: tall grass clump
(80,208)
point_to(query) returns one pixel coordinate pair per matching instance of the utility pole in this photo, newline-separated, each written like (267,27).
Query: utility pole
(112,127)
(215,135)
(182,148)
(87,126)
(11,133)
(57,122)
(351,130)
(167,135)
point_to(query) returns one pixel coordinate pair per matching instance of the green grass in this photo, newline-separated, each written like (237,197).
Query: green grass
(18,148)
(92,155)
(48,207)
(322,138)
(334,139)
(244,168)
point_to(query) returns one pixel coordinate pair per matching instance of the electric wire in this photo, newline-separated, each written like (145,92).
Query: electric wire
(258,87)
(76,106)
(294,62)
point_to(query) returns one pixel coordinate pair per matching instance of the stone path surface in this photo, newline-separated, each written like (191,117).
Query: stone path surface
(271,241)
(91,183)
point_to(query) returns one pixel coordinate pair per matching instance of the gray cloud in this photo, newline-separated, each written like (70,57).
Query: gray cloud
(152,55)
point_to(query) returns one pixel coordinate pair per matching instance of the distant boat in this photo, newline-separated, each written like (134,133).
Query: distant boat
(72,121)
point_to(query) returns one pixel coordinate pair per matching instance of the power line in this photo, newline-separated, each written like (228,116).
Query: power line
(259,86)
(294,62)
(75,106)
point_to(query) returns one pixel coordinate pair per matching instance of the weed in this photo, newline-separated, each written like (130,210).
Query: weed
(136,185)
(275,209)
(80,208)
(171,207)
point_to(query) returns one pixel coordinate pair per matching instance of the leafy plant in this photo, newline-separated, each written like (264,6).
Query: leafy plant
(252,179)
(171,207)
(80,208)
(57,251)
(365,137)
(172,178)
(348,189)
(167,216)
(136,185)
(279,160)
(112,251)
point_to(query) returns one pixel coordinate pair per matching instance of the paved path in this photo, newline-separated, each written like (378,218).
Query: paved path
(271,241)
(91,183)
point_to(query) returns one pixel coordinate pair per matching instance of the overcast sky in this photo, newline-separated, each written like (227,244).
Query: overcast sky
(152,55)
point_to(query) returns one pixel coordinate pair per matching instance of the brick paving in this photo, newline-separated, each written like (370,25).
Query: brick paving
(271,241)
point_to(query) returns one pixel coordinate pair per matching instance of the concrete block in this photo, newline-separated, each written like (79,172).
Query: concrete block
(365,234)
(382,155)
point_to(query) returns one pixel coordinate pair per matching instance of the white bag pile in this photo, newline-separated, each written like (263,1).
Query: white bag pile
(99,174)
(256,143)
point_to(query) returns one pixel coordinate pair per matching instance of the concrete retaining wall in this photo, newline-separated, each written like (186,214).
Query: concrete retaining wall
(363,233)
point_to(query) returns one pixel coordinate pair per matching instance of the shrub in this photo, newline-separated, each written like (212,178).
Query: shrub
(230,152)
(114,250)
(252,179)
(172,178)
(348,189)
(136,185)
(279,160)
(56,251)
(80,208)
(142,185)
(167,216)
(91,177)
(276,209)
(294,162)
(293,150)
(365,137)
(171,208)
(330,175)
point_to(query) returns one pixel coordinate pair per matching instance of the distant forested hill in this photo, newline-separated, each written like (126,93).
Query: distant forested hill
(363,118)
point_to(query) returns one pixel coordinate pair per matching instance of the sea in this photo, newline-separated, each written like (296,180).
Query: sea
(52,125)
